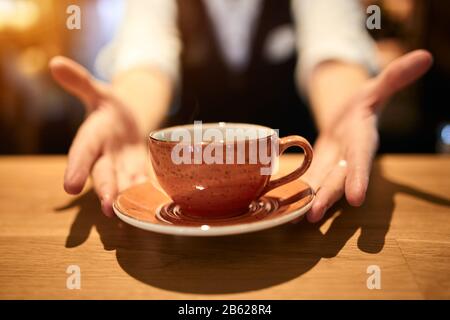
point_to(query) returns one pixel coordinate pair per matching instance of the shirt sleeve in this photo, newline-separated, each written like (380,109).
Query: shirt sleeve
(331,30)
(148,35)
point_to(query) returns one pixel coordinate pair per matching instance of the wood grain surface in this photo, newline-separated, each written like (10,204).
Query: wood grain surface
(404,228)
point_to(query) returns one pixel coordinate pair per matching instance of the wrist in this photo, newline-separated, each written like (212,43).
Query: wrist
(147,95)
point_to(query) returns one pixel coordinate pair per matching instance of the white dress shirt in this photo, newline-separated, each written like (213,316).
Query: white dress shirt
(234,25)
(324,30)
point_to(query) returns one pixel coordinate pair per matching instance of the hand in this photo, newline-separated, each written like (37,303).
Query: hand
(108,145)
(344,151)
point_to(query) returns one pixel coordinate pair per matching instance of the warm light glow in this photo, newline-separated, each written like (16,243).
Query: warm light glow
(32,60)
(18,14)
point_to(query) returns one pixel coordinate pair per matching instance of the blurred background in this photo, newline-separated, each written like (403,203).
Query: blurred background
(37,117)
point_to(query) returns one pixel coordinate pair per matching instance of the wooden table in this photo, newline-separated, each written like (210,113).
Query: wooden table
(404,228)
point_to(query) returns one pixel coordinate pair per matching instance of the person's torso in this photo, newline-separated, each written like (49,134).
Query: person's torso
(263,91)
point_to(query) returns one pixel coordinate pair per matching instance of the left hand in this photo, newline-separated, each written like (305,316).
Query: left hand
(108,145)
(344,151)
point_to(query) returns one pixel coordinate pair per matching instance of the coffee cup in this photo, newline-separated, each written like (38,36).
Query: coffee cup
(216,170)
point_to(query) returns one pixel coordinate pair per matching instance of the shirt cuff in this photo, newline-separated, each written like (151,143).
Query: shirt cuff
(113,60)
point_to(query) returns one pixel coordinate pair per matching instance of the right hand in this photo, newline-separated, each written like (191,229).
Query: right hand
(108,145)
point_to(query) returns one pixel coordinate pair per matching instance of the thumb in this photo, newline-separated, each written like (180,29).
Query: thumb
(77,80)
(402,72)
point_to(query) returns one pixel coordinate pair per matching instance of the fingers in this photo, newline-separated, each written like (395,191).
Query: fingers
(360,156)
(358,181)
(401,73)
(331,191)
(131,165)
(83,153)
(321,164)
(103,175)
(76,80)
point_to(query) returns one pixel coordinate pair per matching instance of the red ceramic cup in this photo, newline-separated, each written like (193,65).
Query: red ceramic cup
(216,170)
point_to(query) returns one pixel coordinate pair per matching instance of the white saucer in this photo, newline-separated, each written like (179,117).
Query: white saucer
(145,207)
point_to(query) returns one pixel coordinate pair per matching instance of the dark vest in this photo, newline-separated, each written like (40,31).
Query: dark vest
(264,93)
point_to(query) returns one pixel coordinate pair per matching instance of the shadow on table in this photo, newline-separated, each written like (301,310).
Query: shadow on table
(244,262)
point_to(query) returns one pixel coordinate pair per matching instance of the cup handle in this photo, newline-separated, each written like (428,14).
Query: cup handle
(285,143)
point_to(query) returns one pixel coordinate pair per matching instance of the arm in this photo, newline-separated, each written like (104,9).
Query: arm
(348,138)
(148,93)
(336,54)
(335,60)
(142,60)
(330,85)
(141,63)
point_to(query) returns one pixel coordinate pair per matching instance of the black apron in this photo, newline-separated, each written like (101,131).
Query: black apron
(264,93)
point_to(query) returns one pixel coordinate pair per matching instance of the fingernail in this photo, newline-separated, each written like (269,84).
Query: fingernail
(106,205)
(297,220)
(314,218)
(316,215)
(72,188)
(73,181)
